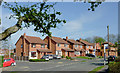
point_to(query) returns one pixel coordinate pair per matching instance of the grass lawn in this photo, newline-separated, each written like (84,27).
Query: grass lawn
(82,57)
(96,69)
(83,61)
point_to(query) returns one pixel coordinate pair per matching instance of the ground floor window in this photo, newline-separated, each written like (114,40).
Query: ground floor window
(33,54)
(58,52)
(77,53)
(87,52)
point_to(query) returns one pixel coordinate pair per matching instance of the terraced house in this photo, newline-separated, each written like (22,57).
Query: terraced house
(59,46)
(89,47)
(77,46)
(33,47)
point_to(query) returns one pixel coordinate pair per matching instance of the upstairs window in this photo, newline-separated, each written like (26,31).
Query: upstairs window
(42,45)
(87,46)
(91,46)
(65,45)
(21,45)
(76,45)
(33,45)
(80,46)
(58,45)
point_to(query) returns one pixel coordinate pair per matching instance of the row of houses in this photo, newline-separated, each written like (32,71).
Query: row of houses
(35,47)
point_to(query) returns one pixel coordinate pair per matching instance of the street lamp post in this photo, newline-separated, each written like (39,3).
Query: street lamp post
(108,42)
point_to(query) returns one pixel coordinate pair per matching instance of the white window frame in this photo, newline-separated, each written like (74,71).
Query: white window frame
(76,45)
(33,45)
(42,45)
(87,46)
(81,46)
(58,45)
(65,45)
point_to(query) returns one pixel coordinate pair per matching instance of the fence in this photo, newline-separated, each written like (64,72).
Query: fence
(21,58)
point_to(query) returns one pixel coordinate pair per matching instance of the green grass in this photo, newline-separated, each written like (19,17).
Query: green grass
(96,69)
(83,61)
(82,57)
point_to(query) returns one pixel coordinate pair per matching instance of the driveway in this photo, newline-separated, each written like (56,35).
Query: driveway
(55,65)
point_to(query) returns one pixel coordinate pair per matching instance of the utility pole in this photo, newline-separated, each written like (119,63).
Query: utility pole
(108,42)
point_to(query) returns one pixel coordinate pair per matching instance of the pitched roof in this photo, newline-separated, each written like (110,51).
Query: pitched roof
(59,40)
(107,43)
(87,43)
(74,42)
(36,40)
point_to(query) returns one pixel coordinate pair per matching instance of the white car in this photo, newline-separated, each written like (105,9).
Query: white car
(57,57)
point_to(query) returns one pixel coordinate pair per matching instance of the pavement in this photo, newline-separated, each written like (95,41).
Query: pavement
(0,70)
(56,65)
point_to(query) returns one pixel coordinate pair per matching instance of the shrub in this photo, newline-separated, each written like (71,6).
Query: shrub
(63,56)
(68,57)
(114,67)
(38,60)
(117,59)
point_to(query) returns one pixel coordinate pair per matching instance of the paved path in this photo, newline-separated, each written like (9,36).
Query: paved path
(0,70)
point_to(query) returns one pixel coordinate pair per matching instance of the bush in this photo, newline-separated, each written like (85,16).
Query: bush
(63,56)
(68,57)
(38,60)
(114,67)
(117,59)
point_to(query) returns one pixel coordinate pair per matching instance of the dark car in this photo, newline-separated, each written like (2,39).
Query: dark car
(90,55)
(111,58)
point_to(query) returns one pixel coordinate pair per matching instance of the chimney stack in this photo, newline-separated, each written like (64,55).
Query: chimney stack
(80,39)
(24,35)
(66,38)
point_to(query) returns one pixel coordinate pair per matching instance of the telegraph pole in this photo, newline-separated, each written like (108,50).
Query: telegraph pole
(108,42)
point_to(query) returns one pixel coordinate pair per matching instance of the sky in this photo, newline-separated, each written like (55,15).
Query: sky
(81,23)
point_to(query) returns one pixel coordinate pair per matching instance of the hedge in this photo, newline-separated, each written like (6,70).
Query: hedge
(38,60)
(114,67)
(1,61)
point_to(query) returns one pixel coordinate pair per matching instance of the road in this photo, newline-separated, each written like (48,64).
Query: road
(56,65)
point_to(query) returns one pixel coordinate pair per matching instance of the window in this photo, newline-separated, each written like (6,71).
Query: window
(33,54)
(76,45)
(87,46)
(33,45)
(91,46)
(58,45)
(21,45)
(65,45)
(80,46)
(42,45)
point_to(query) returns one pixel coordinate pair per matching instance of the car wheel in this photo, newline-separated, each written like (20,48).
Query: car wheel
(12,64)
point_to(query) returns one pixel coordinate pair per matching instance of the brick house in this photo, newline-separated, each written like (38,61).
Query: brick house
(58,46)
(33,47)
(77,46)
(89,47)
(112,51)
(98,49)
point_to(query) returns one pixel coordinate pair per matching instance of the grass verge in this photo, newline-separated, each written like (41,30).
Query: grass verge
(96,69)
(83,61)
(82,57)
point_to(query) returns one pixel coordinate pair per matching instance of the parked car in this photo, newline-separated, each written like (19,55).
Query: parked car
(111,58)
(9,62)
(50,56)
(90,55)
(45,57)
(56,56)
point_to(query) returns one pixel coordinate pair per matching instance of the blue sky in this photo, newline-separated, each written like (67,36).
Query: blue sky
(81,23)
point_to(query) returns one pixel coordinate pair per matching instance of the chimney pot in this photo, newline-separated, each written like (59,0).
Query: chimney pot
(66,37)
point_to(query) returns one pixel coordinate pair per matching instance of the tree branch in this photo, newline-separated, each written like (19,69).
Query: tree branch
(11,30)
